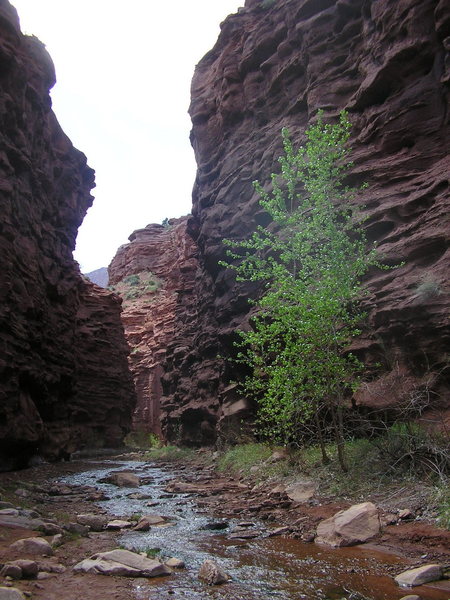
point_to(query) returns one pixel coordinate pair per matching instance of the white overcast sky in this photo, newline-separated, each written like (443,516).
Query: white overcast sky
(123,76)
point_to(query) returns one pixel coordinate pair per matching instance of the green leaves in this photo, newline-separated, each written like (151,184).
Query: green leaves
(311,262)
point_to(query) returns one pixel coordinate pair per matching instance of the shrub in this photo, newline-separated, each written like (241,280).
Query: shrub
(132,279)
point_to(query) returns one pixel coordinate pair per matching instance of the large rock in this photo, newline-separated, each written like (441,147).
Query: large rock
(301,491)
(212,574)
(275,67)
(122,562)
(7,593)
(123,479)
(64,379)
(35,545)
(420,575)
(93,521)
(357,524)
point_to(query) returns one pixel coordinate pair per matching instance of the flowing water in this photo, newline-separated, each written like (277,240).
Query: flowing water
(264,568)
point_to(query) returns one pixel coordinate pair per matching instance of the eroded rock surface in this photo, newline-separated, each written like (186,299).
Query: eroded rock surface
(64,381)
(388,64)
(155,275)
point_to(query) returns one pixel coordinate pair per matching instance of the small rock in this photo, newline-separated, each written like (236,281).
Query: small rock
(35,545)
(10,570)
(57,540)
(51,529)
(77,529)
(215,525)
(93,521)
(212,574)
(11,512)
(43,575)
(123,479)
(308,537)
(29,567)
(118,524)
(419,576)
(406,513)
(411,597)
(175,563)
(22,493)
(31,514)
(279,531)
(49,567)
(301,491)
(244,535)
(147,521)
(9,593)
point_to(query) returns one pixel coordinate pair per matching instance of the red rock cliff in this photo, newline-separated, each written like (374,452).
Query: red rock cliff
(64,381)
(275,64)
(154,274)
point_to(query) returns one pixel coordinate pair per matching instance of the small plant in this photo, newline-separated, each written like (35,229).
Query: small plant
(429,288)
(443,505)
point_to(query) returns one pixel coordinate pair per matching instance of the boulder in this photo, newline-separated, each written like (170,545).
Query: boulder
(355,525)
(7,593)
(29,568)
(148,521)
(419,575)
(77,529)
(10,570)
(123,479)
(93,521)
(175,563)
(212,574)
(122,562)
(51,529)
(301,491)
(34,545)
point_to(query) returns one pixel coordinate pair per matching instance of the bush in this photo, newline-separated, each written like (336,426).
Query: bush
(132,280)
(142,439)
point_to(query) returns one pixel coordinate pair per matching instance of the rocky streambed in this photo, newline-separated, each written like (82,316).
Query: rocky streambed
(178,522)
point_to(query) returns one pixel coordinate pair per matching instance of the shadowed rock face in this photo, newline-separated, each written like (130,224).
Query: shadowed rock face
(64,381)
(388,64)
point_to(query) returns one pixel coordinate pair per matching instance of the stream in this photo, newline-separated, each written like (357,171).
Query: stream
(265,567)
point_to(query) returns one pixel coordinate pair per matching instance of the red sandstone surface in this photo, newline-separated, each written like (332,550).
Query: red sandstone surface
(64,381)
(388,64)
(154,274)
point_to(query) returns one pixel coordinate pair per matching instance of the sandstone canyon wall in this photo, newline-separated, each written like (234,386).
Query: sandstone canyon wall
(155,275)
(274,65)
(64,380)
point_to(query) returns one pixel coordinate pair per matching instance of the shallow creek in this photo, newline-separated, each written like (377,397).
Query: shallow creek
(262,568)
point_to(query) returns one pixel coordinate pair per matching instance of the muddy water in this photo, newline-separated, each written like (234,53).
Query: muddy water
(262,568)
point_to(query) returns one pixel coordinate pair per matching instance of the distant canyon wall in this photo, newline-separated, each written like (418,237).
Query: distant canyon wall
(64,379)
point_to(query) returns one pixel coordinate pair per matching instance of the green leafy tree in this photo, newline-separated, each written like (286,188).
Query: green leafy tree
(310,261)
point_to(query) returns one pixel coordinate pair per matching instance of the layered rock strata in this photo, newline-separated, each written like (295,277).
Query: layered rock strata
(155,276)
(274,65)
(64,380)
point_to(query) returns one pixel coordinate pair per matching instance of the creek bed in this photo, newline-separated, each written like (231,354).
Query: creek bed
(266,567)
